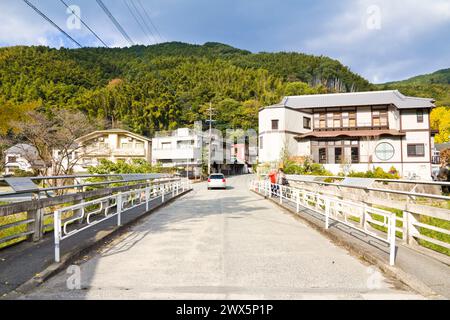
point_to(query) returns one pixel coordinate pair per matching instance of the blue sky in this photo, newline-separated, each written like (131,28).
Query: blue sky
(383,40)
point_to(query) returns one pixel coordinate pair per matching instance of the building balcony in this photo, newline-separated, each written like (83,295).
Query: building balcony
(97,151)
(357,128)
(128,152)
(176,153)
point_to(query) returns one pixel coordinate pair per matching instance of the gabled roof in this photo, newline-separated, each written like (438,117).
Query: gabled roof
(22,148)
(356,99)
(110,131)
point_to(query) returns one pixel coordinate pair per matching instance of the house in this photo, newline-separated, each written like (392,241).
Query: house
(188,149)
(22,157)
(113,145)
(242,157)
(351,131)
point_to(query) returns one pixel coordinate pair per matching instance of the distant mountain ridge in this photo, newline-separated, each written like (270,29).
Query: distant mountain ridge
(165,86)
(438,77)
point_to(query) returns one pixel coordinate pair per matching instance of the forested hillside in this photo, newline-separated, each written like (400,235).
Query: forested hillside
(430,86)
(164,86)
(438,77)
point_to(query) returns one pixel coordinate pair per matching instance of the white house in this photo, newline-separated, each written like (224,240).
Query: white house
(351,131)
(22,157)
(113,145)
(188,148)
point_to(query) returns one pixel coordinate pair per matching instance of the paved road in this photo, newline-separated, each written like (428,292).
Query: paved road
(219,244)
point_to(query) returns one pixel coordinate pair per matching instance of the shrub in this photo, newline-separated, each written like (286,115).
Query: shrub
(377,173)
(307,168)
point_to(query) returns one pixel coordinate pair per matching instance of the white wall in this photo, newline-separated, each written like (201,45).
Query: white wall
(364,117)
(394,118)
(418,137)
(290,125)
(409,120)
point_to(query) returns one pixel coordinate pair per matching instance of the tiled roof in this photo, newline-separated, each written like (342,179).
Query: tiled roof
(357,99)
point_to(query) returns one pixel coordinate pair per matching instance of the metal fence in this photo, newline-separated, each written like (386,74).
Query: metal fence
(355,215)
(422,208)
(116,205)
(31,213)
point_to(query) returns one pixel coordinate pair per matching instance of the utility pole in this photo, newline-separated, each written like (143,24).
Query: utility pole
(210,110)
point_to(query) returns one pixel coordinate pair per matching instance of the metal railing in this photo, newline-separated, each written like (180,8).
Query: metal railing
(355,215)
(30,215)
(99,210)
(422,207)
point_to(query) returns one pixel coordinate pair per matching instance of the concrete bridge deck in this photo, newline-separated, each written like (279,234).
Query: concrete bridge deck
(223,244)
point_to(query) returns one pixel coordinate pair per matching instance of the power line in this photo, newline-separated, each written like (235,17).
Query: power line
(151,21)
(115,22)
(85,24)
(51,22)
(137,20)
(143,19)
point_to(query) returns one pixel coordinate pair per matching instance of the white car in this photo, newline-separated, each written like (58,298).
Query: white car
(217,181)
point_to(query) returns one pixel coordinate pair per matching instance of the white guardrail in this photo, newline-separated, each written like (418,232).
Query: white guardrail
(112,206)
(345,212)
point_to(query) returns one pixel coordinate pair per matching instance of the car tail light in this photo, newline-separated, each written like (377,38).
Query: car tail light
(224,180)
(209,180)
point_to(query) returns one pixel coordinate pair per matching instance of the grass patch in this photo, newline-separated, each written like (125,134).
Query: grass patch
(444,224)
(13,230)
(398,223)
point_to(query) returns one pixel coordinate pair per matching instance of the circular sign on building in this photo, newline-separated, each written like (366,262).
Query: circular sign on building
(384,151)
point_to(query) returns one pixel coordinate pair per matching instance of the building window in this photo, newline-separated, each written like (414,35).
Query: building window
(322,155)
(337,155)
(352,119)
(380,117)
(125,145)
(261,142)
(419,114)
(274,124)
(337,119)
(166,145)
(384,151)
(355,155)
(416,150)
(323,121)
(306,123)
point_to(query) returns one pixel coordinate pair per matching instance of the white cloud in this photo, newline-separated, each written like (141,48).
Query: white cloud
(405,27)
(401,20)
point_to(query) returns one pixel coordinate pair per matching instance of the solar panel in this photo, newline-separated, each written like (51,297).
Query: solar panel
(357,182)
(22,184)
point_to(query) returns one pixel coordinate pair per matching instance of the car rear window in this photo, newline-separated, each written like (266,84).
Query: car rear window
(217,176)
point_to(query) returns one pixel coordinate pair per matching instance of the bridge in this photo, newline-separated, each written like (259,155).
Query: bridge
(245,242)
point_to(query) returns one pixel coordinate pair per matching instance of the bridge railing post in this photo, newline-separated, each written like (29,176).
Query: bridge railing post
(364,217)
(163,191)
(147,198)
(280,193)
(392,231)
(327,213)
(297,200)
(119,208)
(57,234)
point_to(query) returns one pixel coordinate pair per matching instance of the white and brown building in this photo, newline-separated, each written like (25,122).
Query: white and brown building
(351,131)
(113,145)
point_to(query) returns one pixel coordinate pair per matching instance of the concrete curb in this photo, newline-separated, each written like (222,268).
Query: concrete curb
(69,258)
(359,252)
